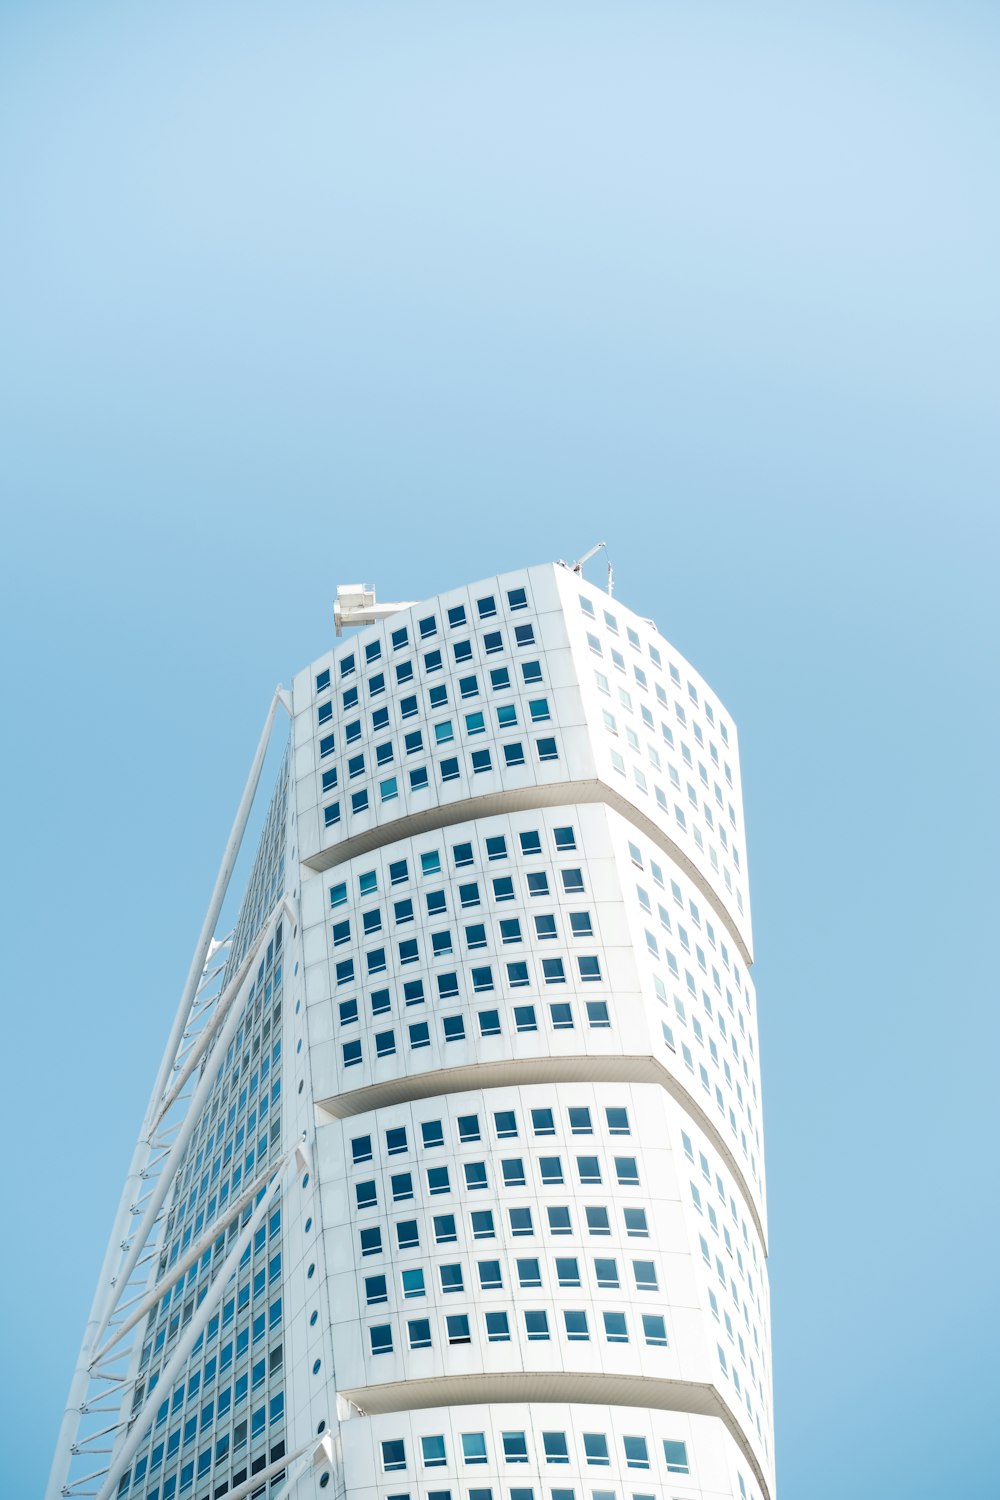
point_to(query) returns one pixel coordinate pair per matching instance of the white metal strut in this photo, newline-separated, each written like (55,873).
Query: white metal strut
(130,1260)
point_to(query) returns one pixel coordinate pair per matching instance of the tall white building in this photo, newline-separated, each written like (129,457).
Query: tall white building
(452,1181)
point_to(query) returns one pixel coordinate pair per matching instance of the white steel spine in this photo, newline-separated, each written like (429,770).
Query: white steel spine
(115,1271)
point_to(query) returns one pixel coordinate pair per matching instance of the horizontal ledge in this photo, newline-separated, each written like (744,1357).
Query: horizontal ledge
(559,794)
(563,1387)
(533,1070)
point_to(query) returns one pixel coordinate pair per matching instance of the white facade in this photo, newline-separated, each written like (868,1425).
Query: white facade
(499,934)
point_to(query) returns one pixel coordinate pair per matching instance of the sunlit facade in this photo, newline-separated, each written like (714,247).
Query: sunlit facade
(478,1134)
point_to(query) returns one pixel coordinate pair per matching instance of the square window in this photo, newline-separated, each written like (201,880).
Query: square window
(536,1325)
(606,1271)
(654,1330)
(531,671)
(559,1219)
(468,687)
(433,1452)
(520,1221)
(595,1448)
(399,872)
(499,679)
(547,749)
(457,1326)
(407,1234)
(575,1321)
(579,1120)
(538,883)
(676,1457)
(512,1168)
(481,761)
(505,1124)
(513,755)
(474,1447)
(489,1275)
(567,1270)
(555,1448)
(451,1278)
(528,1272)
(381,1338)
(497,1328)
(598,1222)
(418,1331)
(524,635)
(615,1328)
(401,1184)
(487,607)
(393,1455)
(482,1224)
(636,1453)
(517,599)
(635,1223)
(445,1232)
(515,1447)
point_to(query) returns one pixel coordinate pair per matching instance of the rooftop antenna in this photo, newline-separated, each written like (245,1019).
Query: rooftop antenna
(355,604)
(578,565)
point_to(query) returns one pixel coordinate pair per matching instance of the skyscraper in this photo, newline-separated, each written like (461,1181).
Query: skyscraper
(451,1185)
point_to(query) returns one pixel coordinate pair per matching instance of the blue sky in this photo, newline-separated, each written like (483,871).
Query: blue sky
(295,295)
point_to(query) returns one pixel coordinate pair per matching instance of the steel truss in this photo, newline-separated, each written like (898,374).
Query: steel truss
(99,1433)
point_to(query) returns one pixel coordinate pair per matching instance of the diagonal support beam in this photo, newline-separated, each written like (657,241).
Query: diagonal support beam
(108,1283)
(137,1432)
